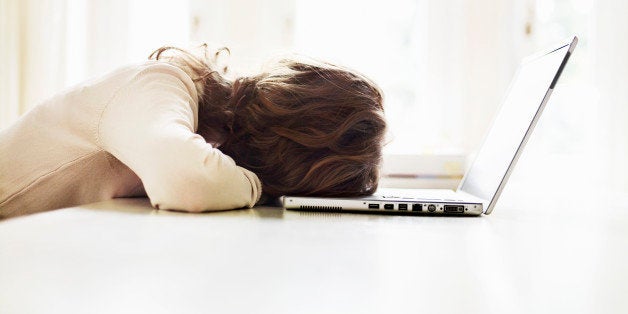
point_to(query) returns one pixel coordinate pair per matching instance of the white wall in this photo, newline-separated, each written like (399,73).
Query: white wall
(48,45)
(610,47)
(9,63)
(253,30)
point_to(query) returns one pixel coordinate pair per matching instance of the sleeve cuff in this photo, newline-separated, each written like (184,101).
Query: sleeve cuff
(256,187)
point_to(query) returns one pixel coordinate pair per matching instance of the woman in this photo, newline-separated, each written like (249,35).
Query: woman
(177,130)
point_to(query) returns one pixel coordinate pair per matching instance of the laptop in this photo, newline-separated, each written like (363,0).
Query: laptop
(484,181)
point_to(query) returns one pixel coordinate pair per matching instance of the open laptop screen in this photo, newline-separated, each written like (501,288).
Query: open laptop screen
(524,101)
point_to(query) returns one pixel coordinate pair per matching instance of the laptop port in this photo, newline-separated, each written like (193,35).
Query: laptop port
(389,206)
(431,208)
(417,207)
(403,206)
(373,206)
(454,209)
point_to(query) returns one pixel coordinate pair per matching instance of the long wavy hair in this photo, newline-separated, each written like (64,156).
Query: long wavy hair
(305,127)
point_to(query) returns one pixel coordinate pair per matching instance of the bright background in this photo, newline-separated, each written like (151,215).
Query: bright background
(444,65)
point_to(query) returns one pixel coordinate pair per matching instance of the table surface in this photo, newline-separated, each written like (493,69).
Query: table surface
(549,254)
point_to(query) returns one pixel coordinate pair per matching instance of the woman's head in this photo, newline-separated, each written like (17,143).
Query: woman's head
(304,127)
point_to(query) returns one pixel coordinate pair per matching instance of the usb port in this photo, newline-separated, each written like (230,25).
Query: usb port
(417,207)
(374,206)
(389,206)
(403,206)
(454,209)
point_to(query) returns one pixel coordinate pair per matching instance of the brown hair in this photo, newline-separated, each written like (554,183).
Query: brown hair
(304,127)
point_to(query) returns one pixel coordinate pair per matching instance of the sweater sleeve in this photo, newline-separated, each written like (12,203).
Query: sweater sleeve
(149,125)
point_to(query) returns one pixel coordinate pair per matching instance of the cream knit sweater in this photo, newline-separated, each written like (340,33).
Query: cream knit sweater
(129,133)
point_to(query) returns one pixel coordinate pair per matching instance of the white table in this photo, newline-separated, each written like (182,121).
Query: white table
(122,256)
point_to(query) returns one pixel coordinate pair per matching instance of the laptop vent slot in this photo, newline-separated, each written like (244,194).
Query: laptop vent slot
(306,207)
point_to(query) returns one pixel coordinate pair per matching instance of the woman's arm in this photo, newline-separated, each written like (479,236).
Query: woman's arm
(149,125)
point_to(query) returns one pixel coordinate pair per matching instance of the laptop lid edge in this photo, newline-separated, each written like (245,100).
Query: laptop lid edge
(490,204)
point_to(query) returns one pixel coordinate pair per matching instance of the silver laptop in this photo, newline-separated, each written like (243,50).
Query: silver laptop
(484,181)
